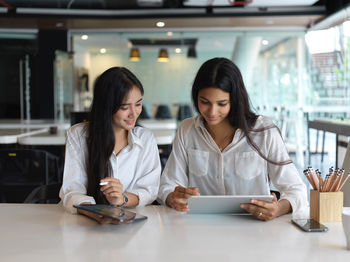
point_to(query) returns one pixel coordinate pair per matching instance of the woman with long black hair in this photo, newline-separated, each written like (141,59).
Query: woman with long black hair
(108,160)
(229,150)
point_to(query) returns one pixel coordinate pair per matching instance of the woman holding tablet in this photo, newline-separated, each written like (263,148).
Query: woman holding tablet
(108,159)
(229,150)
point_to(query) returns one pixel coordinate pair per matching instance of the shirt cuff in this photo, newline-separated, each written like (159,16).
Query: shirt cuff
(145,198)
(77,200)
(164,194)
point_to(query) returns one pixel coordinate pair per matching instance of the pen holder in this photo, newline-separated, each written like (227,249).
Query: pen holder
(326,206)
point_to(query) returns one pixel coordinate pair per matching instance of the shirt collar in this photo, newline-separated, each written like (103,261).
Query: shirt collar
(198,122)
(133,139)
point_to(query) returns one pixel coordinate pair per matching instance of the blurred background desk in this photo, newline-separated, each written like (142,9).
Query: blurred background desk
(11,135)
(339,127)
(46,233)
(45,139)
(34,123)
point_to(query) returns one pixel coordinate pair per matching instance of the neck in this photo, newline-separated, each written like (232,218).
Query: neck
(120,134)
(221,130)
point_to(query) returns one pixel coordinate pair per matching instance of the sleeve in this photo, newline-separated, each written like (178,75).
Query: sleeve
(73,190)
(147,181)
(175,171)
(286,177)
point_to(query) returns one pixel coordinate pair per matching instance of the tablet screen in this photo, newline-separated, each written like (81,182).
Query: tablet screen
(222,204)
(113,212)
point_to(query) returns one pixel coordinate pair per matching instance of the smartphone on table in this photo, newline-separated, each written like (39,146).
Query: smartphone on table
(310,225)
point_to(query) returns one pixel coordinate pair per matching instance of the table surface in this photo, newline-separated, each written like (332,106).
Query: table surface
(33,123)
(162,136)
(38,232)
(340,127)
(11,136)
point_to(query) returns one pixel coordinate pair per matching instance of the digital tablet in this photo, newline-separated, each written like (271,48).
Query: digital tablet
(117,213)
(222,204)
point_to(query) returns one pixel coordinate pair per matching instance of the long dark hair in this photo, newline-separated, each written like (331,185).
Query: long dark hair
(222,73)
(110,88)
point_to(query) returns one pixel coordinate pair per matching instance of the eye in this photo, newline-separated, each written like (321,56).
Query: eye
(204,102)
(222,105)
(123,108)
(139,104)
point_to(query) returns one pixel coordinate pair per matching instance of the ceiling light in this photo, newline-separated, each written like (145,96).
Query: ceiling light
(103,50)
(160,24)
(265,42)
(163,55)
(134,54)
(178,50)
(84,37)
(191,52)
(170,33)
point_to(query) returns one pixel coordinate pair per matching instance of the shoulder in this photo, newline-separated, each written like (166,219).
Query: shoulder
(263,122)
(187,124)
(78,130)
(143,134)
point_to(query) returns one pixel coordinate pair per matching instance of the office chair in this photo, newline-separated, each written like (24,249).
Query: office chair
(22,170)
(184,111)
(46,194)
(144,114)
(163,112)
(78,117)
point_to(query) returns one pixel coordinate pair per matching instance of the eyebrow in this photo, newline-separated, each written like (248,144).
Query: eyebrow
(219,101)
(131,103)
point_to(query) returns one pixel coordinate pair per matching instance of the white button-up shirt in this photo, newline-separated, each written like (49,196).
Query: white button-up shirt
(196,161)
(137,166)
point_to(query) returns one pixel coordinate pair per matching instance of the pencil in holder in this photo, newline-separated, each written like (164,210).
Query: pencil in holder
(326,206)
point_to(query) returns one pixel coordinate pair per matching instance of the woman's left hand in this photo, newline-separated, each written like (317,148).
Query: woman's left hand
(267,210)
(113,191)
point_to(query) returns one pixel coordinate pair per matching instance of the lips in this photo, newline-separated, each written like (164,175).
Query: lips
(212,118)
(130,122)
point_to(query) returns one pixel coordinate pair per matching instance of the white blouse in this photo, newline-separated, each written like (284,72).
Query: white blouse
(196,161)
(137,166)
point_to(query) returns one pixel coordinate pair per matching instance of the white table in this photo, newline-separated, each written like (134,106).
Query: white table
(33,123)
(11,136)
(158,123)
(45,139)
(163,137)
(47,233)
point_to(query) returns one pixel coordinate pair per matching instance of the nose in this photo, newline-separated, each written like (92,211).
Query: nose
(212,110)
(133,112)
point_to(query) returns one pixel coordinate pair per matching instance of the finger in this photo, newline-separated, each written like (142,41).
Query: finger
(274,197)
(180,189)
(193,191)
(116,189)
(261,203)
(115,195)
(184,196)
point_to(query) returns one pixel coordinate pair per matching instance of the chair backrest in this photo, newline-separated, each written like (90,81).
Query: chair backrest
(78,117)
(163,112)
(45,194)
(21,170)
(346,187)
(144,114)
(184,111)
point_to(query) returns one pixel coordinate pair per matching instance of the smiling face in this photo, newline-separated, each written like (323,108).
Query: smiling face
(214,105)
(126,116)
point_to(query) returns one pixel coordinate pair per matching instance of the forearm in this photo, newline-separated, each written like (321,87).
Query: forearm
(133,200)
(284,207)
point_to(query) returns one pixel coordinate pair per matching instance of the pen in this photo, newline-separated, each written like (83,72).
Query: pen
(103,183)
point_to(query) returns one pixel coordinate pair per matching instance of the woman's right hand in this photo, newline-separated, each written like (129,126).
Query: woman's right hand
(178,198)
